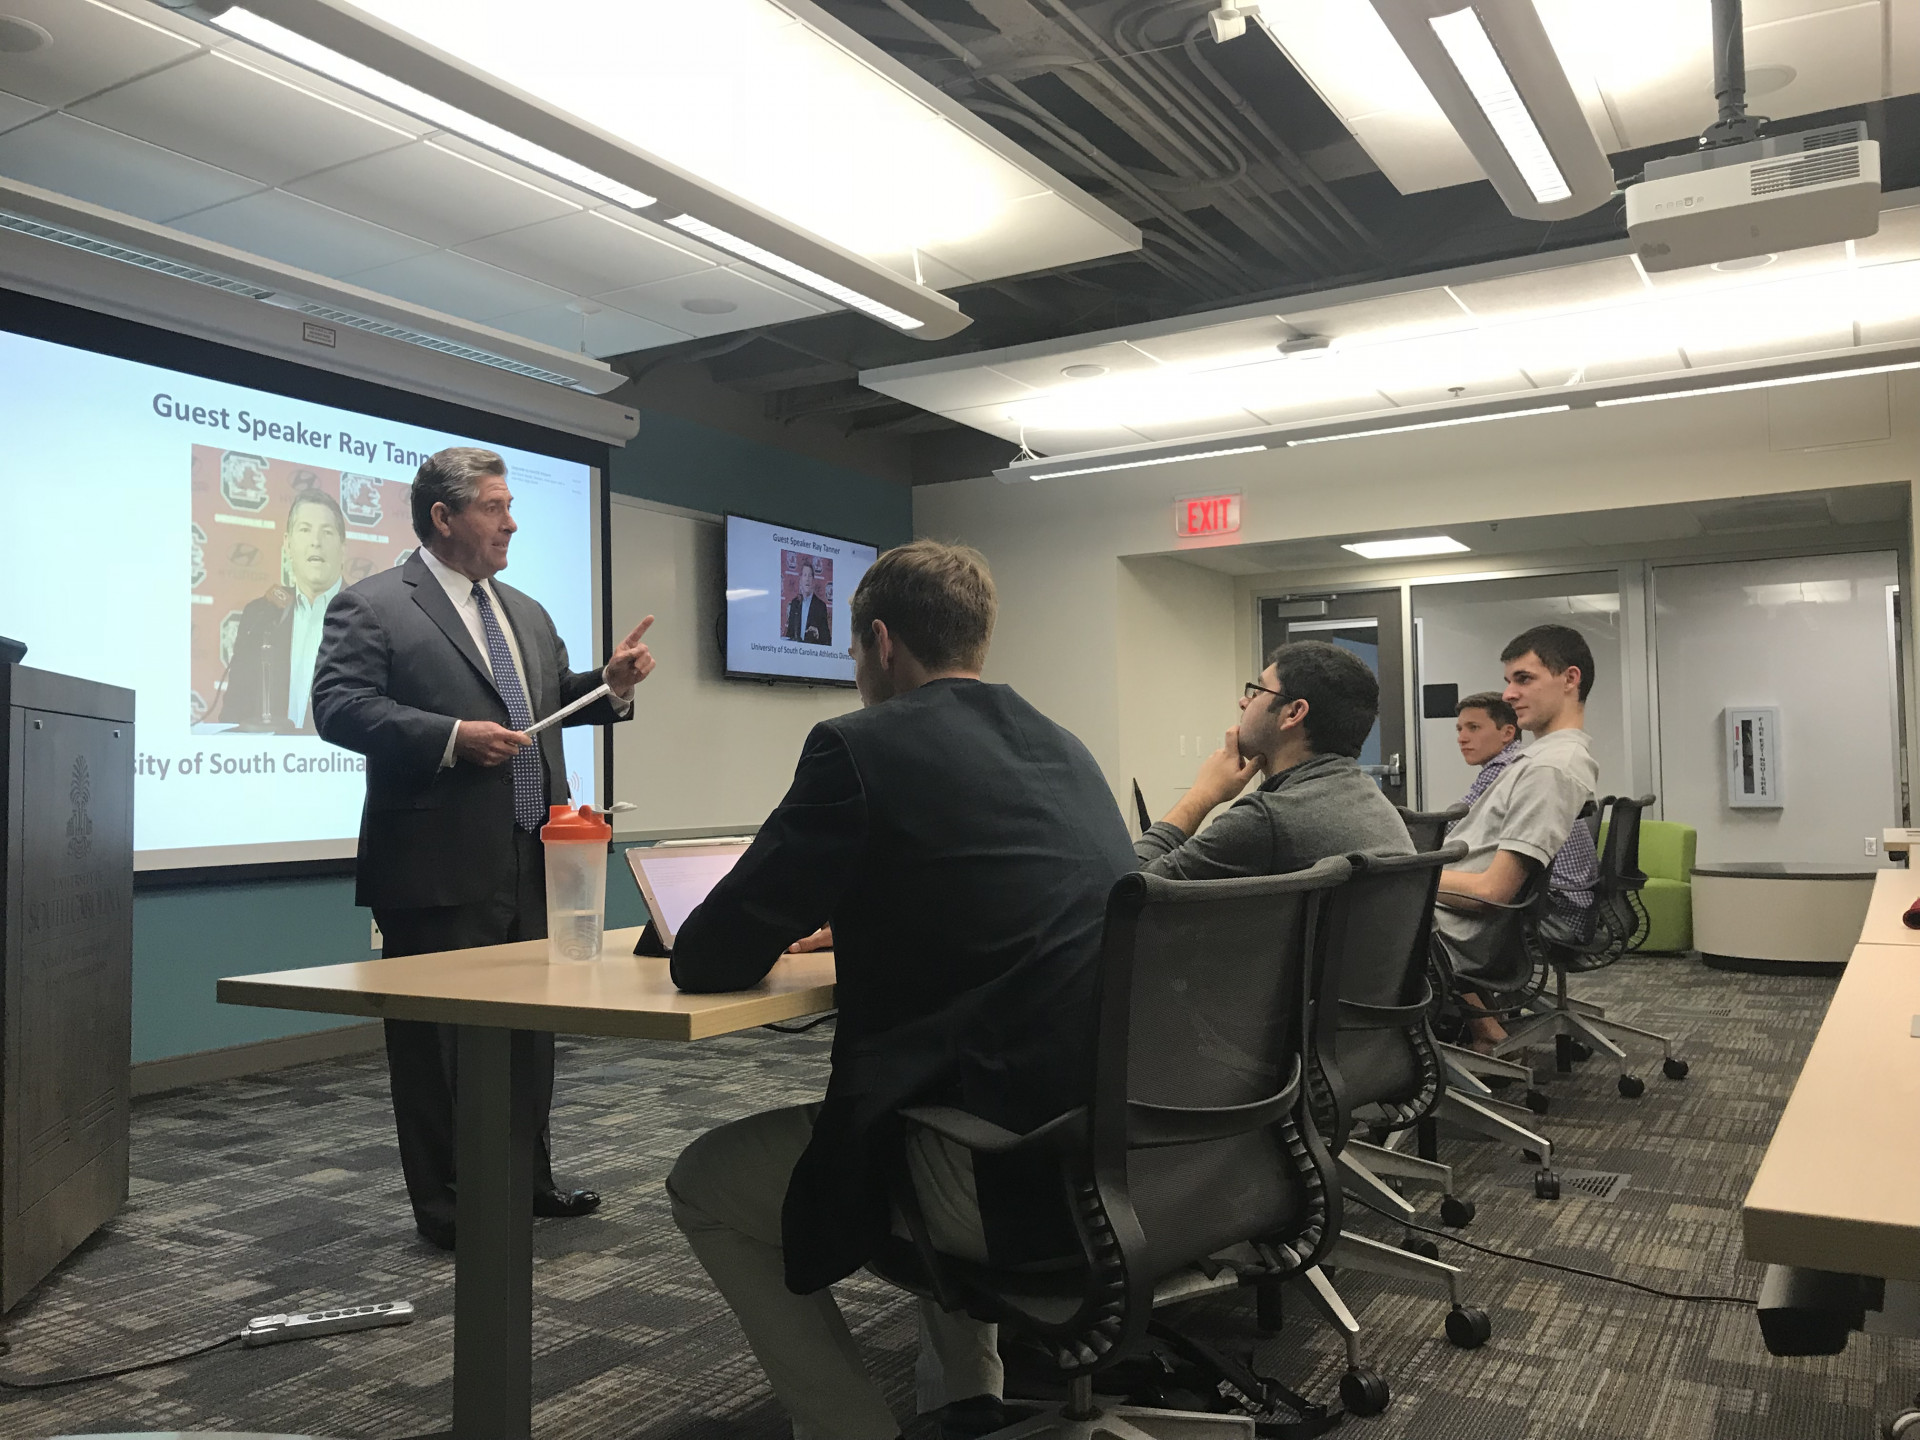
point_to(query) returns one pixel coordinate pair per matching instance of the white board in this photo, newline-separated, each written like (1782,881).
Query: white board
(702,753)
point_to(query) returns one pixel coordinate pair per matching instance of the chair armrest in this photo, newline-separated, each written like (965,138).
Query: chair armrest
(1385,1017)
(1065,1131)
(1490,904)
(1152,1126)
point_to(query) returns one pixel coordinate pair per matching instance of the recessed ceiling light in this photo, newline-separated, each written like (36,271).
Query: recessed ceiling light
(1766,79)
(1084,372)
(1407,549)
(18,36)
(1745,262)
(709,305)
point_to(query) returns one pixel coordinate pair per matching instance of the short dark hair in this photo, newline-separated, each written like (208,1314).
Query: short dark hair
(1558,646)
(450,477)
(1342,694)
(314,495)
(1496,707)
(937,600)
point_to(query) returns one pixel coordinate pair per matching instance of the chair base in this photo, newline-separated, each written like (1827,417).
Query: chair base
(1570,1023)
(1127,1422)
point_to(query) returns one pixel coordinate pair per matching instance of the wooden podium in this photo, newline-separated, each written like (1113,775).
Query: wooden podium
(66,966)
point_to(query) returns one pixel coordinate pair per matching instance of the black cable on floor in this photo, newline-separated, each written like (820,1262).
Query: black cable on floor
(803,1028)
(1553,1264)
(207,1349)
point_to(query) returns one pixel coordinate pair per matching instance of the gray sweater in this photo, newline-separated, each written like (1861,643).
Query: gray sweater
(1321,807)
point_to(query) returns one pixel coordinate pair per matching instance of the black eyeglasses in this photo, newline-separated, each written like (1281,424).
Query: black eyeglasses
(1254,687)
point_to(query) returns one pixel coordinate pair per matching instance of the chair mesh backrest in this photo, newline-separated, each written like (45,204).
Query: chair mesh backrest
(1428,828)
(1377,928)
(1213,976)
(1620,858)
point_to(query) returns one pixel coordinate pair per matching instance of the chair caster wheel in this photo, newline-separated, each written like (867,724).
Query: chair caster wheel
(1904,1426)
(1419,1245)
(1364,1393)
(1456,1212)
(1532,1157)
(1468,1329)
(1537,1102)
(1632,1086)
(1579,1050)
(1673,1069)
(1546,1185)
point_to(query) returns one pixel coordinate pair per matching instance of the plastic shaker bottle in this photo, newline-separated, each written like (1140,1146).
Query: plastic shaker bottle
(576,843)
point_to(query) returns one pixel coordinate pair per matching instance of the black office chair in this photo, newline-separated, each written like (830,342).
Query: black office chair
(1608,930)
(1195,1166)
(1428,828)
(1373,1057)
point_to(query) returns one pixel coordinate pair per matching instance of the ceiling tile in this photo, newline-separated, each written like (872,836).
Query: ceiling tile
(318,84)
(1786,265)
(1835,56)
(1897,239)
(597,330)
(301,232)
(1419,312)
(14,110)
(585,253)
(1211,346)
(1035,233)
(94,46)
(1484,387)
(513,169)
(751,302)
(934,274)
(1416,151)
(427,191)
(1886,332)
(107,168)
(241,119)
(1565,287)
(1734,351)
(1047,372)
(1332,408)
(1193,429)
(442,280)
(957,389)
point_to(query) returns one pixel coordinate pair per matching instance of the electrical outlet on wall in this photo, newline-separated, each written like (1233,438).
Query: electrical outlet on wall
(1873,845)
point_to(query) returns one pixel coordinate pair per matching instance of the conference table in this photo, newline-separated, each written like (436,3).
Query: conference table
(498,996)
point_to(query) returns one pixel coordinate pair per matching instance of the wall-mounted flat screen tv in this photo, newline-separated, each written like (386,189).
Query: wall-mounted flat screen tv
(788,598)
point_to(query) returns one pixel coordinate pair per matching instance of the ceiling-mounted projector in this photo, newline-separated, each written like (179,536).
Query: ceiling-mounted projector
(1780,193)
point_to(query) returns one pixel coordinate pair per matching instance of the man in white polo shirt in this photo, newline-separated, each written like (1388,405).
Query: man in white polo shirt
(1516,828)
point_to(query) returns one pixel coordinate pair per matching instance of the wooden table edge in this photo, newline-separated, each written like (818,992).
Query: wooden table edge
(1826,1242)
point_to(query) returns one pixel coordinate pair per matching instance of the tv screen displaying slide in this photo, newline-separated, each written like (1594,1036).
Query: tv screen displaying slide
(788,593)
(181,537)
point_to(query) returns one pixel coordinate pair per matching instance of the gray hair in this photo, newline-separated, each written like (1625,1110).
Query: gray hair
(451,478)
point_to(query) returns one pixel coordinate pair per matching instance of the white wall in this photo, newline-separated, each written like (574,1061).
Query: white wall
(702,752)
(1810,636)
(1055,547)
(1463,628)
(1179,676)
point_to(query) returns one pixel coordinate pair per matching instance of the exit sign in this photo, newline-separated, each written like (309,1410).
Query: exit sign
(1206,515)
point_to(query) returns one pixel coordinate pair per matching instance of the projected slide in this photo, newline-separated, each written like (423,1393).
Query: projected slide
(280,503)
(787,602)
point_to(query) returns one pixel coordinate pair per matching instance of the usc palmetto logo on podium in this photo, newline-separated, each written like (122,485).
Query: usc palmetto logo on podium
(80,823)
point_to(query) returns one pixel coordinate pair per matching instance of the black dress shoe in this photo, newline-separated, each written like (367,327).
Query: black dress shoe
(437,1233)
(972,1417)
(565,1204)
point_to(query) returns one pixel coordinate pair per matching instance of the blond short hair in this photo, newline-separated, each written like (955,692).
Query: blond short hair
(937,600)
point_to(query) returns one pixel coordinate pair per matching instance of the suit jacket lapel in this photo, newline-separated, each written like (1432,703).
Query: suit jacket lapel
(431,597)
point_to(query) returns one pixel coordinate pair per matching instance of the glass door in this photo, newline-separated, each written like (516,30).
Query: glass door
(1368,625)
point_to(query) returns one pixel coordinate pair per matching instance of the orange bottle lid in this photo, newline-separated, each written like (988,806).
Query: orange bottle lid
(569,826)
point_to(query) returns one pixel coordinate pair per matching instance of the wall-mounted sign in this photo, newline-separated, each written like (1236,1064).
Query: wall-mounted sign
(1206,515)
(1753,758)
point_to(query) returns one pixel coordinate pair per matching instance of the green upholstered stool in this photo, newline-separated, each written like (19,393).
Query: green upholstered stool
(1666,855)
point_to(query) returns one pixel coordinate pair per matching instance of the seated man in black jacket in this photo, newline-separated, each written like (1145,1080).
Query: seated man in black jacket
(961,845)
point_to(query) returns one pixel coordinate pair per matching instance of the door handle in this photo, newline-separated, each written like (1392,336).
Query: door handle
(1391,772)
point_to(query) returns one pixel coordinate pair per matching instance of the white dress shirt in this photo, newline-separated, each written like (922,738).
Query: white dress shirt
(460,591)
(308,619)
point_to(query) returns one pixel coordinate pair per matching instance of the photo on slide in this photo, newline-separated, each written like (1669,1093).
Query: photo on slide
(273,542)
(806,598)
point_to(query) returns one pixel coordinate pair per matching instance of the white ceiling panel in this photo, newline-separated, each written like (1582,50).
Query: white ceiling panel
(1736,349)
(1572,287)
(993,419)
(442,280)
(16,111)
(1193,428)
(301,232)
(107,168)
(668,302)
(1047,371)
(589,328)
(1035,233)
(200,108)
(967,389)
(1406,389)
(93,46)
(1298,412)
(1418,312)
(587,253)
(427,191)
(1897,239)
(1240,343)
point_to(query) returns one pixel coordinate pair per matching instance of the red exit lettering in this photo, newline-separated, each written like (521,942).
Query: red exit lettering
(1206,515)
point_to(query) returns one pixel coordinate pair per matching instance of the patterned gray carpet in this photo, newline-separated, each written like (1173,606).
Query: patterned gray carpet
(284,1192)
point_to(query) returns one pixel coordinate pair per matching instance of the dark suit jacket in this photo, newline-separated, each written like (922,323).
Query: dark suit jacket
(258,674)
(819,616)
(396,668)
(963,846)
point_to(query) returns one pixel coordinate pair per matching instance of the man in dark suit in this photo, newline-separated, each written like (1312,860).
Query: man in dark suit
(270,677)
(433,671)
(962,846)
(809,618)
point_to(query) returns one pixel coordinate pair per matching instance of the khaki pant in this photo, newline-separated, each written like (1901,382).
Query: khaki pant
(727,1189)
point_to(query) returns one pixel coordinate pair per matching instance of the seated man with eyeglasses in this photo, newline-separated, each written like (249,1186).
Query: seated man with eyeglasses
(1302,724)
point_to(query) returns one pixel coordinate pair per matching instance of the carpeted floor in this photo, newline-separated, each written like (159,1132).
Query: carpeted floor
(284,1192)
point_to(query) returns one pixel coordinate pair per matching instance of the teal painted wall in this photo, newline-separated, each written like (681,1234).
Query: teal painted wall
(186,939)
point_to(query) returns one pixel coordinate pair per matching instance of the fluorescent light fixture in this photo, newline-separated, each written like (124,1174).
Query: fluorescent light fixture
(1757,384)
(258,30)
(799,274)
(1406,549)
(1431,424)
(1149,460)
(1471,50)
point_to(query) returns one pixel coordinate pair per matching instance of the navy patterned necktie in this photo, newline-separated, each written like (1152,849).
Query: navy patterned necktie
(529,778)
